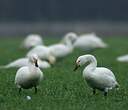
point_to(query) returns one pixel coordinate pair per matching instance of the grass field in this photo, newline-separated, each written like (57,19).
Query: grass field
(62,88)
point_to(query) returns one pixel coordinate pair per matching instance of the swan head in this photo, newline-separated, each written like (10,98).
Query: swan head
(33,59)
(83,60)
(70,37)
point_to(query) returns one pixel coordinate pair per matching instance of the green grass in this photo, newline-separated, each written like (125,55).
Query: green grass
(63,89)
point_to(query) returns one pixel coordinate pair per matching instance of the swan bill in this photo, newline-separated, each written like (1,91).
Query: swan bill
(76,67)
(36,63)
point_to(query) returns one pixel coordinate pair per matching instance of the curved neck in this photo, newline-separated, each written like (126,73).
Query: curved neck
(69,44)
(31,66)
(92,64)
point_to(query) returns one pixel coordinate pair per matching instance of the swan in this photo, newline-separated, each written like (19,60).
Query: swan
(96,77)
(86,41)
(123,58)
(32,40)
(24,62)
(43,52)
(61,50)
(29,76)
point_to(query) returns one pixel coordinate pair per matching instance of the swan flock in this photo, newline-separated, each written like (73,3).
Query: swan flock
(40,56)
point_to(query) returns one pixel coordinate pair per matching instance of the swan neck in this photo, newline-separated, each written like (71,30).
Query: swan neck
(92,64)
(69,44)
(31,66)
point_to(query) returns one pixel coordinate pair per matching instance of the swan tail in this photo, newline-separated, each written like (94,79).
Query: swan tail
(103,45)
(117,86)
(4,67)
(119,59)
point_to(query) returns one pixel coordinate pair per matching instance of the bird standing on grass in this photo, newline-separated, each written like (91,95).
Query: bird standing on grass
(96,77)
(29,76)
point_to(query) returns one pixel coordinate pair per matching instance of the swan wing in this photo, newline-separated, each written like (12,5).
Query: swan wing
(22,75)
(18,63)
(103,78)
(43,64)
(59,50)
(41,51)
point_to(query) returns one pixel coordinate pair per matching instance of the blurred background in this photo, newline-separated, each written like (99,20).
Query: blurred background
(57,17)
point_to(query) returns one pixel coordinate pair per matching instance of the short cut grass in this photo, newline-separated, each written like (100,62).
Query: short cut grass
(62,88)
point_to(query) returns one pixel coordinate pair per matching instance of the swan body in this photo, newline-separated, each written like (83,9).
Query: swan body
(97,77)
(59,50)
(123,58)
(89,41)
(24,62)
(29,76)
(32,40)
(43,52)
(85,41)
(62,49)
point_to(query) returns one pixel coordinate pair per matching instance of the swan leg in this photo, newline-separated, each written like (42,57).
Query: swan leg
(94,91)
(106,92)
(35,89)
(20,90)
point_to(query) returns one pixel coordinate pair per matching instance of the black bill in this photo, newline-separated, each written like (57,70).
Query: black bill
(36,64)
(76,67)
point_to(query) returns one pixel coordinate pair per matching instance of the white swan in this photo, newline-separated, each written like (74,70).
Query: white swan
(43,52)
(32,40)
(29,76)
(123,58)
(96,77)
(61,50)
(86,41)
(24,62)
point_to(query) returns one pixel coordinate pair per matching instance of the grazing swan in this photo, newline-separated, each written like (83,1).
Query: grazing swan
(123,58)
(43,52)
(61,50)
(29,76)
(32,40)
(24,62)
(86,41)
(96,77)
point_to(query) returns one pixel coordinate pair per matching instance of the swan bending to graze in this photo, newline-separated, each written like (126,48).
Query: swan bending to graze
(61,50)
(24,62)
(86,41)
(123,58)
(32,40)
(96,77)
(42,52)
(29,76)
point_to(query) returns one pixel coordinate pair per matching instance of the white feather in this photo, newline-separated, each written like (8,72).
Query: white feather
(97,77)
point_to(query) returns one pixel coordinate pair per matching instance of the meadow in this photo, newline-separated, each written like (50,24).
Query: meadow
(62,88)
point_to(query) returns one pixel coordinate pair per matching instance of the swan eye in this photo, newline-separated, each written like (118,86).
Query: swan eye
(78,61)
